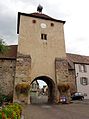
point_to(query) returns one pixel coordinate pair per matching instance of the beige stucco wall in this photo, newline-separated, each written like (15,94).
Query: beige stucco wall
(43,53)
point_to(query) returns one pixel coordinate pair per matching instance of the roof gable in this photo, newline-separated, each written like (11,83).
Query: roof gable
(36,15)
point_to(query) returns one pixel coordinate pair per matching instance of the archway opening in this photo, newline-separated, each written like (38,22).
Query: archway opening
(42,93)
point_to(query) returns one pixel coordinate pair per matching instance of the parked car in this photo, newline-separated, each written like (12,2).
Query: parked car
(77,96)
(63,100)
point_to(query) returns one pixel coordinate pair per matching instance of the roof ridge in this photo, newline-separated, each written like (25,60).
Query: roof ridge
(77,54)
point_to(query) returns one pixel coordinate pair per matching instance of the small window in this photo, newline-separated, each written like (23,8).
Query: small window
(82,68)
(34,21)
(44,36)
(84,81)
(52,24)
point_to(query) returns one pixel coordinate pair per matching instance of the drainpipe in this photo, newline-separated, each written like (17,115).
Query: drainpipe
(75,76)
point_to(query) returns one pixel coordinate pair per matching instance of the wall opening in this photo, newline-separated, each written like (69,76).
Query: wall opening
(42,94)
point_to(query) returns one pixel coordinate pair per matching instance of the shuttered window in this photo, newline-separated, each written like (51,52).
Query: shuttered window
(82,68)
(84,81)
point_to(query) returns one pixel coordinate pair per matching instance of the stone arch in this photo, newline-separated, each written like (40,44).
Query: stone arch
(51,87)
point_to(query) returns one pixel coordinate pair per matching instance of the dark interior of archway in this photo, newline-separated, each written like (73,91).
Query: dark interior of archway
(51,87)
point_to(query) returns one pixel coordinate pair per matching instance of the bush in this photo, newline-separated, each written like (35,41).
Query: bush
(22,88)
(63,87)
(12,111)
(5,98)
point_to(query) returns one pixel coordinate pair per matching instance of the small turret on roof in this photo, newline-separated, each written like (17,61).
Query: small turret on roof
(39,8)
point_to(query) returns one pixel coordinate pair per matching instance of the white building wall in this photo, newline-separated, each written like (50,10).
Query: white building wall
(82,88)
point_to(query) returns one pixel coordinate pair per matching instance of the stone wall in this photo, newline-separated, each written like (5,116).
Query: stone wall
(63,74)
(23,70)
(72,81)
(61,67)
(61,70)
(7,73)
(23,67)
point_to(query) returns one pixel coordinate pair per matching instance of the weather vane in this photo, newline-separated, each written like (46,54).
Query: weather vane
(39,8)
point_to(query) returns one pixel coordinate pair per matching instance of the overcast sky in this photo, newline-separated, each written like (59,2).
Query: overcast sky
(74,12)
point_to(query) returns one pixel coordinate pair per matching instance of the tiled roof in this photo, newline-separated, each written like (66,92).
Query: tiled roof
(36,15)
(10,53)
(77,58)
(44,16)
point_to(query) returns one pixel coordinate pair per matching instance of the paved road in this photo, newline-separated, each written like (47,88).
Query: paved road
(67,111)
(39,99)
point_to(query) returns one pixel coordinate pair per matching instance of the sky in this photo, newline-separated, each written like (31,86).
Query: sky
(41,83)
(74,12)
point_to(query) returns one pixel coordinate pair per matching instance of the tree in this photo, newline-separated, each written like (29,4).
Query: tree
(3,47)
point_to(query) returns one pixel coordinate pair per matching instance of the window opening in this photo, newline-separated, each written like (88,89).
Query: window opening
(84,81)
(44,36)
(82,68)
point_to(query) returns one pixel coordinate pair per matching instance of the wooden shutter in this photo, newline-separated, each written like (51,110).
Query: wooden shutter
(85,68)
(80,68)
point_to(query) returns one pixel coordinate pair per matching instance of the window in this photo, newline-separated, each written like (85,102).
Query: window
(34,21)
(84,81)
(44,36)
(82,68)
(52,24)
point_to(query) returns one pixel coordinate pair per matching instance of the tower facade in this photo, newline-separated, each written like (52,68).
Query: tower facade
(40,45)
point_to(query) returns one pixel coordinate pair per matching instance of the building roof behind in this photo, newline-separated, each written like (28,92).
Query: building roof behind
(36,15)
(75,58)
(10,53)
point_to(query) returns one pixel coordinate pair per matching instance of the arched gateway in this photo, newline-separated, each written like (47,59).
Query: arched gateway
(51,87)
(41,52)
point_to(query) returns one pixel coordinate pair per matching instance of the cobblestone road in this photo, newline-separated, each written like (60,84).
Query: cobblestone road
(67,111)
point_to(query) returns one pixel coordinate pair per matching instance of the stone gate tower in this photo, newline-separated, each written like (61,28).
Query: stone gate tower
(41,51)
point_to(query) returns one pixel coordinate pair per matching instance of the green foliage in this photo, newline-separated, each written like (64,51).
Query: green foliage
(3,47)
(5,98)
(12,111)
(0,115)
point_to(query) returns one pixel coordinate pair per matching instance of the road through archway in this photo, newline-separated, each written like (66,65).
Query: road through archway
(51,88)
